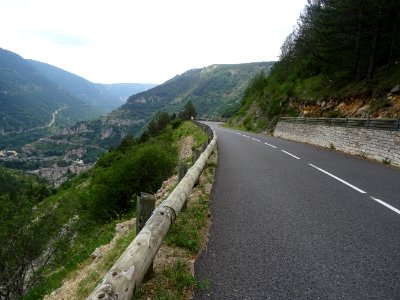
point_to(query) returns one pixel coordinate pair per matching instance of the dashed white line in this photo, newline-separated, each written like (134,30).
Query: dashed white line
(290,154)
(270,145)
(339,179)
(387,205)
(257,140)
(246,136)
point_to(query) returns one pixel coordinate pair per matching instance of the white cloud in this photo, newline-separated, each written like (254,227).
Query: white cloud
(145,41)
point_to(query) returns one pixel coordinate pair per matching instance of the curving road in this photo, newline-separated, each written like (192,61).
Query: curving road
(54,114)
(294,221)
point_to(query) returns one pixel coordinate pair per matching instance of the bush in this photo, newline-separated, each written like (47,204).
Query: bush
(143,169)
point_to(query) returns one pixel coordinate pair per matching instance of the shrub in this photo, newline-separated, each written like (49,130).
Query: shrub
(142,169)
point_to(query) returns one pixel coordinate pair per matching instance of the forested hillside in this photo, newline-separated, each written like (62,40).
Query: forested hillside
(341,59)
(215,91)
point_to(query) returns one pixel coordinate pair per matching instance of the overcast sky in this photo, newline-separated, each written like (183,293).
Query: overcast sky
(147,41)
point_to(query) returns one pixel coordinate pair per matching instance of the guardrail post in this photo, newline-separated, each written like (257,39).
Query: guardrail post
(205,145)
(368,120)
(398,123)
(145,205)
(330,121)
(346,122)
(195,156)
(181,173)
(182,170)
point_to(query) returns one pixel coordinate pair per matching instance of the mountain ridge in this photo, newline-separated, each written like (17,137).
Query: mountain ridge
(104,97)
(28,99)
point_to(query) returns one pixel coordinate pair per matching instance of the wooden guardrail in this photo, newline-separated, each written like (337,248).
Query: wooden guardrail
(127,273)
(370,123)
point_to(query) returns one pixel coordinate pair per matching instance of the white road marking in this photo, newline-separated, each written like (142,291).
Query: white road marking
(246,136)
(387,205)
(270,145)
(257,140)
(290,154)
(337,178)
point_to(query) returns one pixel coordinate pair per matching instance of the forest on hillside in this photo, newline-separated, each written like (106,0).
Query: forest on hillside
(338,49)
(343,39)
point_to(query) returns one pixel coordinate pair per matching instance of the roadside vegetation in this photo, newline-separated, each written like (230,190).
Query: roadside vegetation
(173,276)
(339,52)
(47,234)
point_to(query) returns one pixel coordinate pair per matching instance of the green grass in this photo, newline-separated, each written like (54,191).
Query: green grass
(84,246)
(186,231)
(188,128)
(174,282)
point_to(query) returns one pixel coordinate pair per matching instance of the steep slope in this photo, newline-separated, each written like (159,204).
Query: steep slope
(104,97)
(215,91)
(332,65)
(28,99)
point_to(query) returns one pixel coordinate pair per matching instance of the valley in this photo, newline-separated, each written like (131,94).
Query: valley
(62,143)
(44,109)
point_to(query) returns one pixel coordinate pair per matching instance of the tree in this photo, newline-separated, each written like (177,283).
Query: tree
(31,235)
(158,123)
(188,111)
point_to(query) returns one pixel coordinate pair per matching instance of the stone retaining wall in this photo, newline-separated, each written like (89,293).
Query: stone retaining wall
(380,145)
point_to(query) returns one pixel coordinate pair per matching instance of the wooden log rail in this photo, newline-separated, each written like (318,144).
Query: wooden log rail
(128,271)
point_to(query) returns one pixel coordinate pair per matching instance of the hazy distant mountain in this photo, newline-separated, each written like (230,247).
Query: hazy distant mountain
(104,97)
(28,99)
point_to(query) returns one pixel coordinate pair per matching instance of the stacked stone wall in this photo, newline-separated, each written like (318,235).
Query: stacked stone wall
(375,144)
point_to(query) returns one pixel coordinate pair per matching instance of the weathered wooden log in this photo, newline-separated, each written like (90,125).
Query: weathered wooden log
(128,272)
(183,189)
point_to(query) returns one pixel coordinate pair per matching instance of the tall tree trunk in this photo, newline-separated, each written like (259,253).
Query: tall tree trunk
(357,46)
(394,41)
(374,47)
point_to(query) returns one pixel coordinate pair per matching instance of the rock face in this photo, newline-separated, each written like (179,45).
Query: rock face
(122,122)
(363,112)
(106,133)
(81,128)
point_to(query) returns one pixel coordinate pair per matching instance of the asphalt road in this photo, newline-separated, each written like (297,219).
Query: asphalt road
(294,221)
